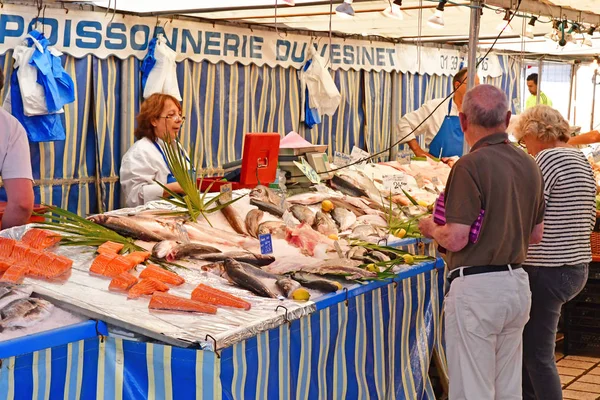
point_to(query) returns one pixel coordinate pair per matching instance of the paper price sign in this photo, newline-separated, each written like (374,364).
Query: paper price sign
(308,171)
(404,157)
(266,243)
(359,154)
(225,193)
(341,159)
(395,183)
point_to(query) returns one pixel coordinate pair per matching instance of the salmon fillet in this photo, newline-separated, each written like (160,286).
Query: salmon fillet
(101,262)
(20,251)
(169,302)
(15,273)
(31,236)
(110,248)
(137,257)
(50,266)
(5,264)
(156,272)
(210,295)
(122,282)
(46,239)
(6,247)
(32,256)
(146,286)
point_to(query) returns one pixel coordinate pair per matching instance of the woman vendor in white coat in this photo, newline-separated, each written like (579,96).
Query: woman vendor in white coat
(145,162)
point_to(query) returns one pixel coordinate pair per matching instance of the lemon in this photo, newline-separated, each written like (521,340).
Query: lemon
(408,259)
(333,236)
(422,203)
(400,233)
(327,205)
(372,268)
(301,294)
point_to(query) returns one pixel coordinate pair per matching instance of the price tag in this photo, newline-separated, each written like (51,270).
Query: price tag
(266,243)
(341,159)
(225,193)
(395,183)
(359,154)
(596,154)
(404,157)
(420,180)
(307,170)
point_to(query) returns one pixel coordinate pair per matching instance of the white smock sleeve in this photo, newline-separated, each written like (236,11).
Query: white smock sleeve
(412,119)
(141,166)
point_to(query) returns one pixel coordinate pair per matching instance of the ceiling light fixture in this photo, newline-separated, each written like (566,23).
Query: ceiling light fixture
(345,9)
(504,26)
(530,26)
(393,11)
(553,34)
(437,19)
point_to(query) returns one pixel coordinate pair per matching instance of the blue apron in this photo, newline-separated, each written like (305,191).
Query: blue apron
(449,139)
(170,177)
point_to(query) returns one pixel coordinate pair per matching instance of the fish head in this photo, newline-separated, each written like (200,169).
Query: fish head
(260,193)
(214,268)
(167,250)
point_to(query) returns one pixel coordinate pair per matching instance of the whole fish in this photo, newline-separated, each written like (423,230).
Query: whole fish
(368,232)
(202,232)
(337,266)
(308,199)
(376,220)
(362,204)
(10,292)
(234,219)
(264,194)
(324,224)
(288,286)
(268,207)
(252,220)
(303,214)
(345,204)
(344,218)
(142,229)
(255,280)
(345,186)
(24,312)
(240,256)
(316,282)
(171,250)
(275,228)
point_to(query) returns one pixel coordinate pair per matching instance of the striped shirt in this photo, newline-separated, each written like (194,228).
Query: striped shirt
(569,191)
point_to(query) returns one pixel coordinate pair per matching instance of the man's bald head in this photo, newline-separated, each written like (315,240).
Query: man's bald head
(486,106)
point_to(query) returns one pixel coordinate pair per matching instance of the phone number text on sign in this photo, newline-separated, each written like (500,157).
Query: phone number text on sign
(453,63)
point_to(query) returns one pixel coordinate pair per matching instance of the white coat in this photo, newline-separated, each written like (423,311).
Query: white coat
(431,127)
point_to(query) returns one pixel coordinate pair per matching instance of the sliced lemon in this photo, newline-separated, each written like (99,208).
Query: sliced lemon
(422,203)
(333,236)
(372,268)
(408,259)
(301,294)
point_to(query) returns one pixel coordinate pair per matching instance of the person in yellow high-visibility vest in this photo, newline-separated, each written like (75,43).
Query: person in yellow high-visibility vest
(532,85)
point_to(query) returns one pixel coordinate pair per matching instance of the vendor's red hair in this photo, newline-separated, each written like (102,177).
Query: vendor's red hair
(150,111)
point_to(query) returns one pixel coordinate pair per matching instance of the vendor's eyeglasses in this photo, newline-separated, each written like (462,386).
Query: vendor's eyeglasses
(175,118)
(521,143)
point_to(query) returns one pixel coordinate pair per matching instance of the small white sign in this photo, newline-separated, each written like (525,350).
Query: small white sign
(307,170)
(404,157)
(395,183)
(341,159)
(359,154)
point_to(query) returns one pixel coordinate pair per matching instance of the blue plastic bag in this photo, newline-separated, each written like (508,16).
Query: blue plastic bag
(148,62)
(40,128)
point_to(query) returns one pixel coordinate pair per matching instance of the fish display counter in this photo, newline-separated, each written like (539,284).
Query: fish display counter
(319,294)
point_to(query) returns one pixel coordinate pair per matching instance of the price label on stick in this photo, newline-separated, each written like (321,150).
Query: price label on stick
(225,193)
(266,243)
(359,154)
(308,171)
(341,159)
(395,183)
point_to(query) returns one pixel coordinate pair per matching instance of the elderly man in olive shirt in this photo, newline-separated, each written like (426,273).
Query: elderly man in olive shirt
(488,303)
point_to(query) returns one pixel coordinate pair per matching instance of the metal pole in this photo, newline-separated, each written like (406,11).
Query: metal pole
(472,60)
(539,84)
(571,92)
(575,98)
(594,80)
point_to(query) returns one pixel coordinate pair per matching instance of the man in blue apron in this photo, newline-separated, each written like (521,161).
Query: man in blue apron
(442,130)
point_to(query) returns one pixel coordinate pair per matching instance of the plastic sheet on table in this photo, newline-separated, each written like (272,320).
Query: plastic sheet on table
(89,295)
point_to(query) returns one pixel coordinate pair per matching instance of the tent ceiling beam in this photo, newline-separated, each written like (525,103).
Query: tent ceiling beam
(536,7)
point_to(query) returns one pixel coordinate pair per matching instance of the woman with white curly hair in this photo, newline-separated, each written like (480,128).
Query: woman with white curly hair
(558,265)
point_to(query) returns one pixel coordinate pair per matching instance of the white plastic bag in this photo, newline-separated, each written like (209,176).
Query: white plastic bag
(323,94)
(163,76)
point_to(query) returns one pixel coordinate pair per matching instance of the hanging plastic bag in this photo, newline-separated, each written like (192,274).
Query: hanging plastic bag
(324,95)
(310,116)
(162,77)
(40,128)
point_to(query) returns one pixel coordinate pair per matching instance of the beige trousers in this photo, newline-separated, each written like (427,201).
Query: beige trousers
(485,317)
